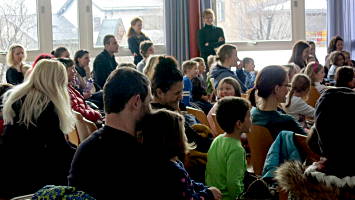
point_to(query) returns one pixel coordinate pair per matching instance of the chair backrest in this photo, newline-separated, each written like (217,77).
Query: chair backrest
(259,140)
(73,137)
(303,148)
(25,197)
(313,96)
(218,128)
(83,126)
(199,114)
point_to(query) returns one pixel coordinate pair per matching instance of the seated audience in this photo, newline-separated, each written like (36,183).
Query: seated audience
(271,88)
(146,49)
(337,59)
(61,52)
(332,177)
(167,143)
(83,78)
(345,77)
(77,100)
(15,59)
(248,66)
(226,87)
(312,51)
(227,57)
(190,69)
(105,62)
(300,53)
(226,160)
(296,105)
(149,68)
(109,164)
(199,96)
(37,114)
(315,72)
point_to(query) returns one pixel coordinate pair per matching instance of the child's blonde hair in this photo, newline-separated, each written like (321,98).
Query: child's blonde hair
(334,57)
(312,69)
(208,12)
(188,65)
(300,83)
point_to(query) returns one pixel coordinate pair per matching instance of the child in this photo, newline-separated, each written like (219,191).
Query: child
(345,77)
(190,69)
(315,72)
(226,87)
(226,161)
(146,49)
(201,69)
(248,66)
(166,144)
(337,59)
(348,61)
(296,105)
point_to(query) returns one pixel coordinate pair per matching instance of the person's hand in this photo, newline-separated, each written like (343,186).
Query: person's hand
(220,39)
(87,95)
(216,193)
(206,44)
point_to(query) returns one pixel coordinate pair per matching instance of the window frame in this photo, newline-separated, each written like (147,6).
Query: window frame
(85,22)
(298,31)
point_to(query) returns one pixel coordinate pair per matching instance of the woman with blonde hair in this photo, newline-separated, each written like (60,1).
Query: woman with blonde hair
(15,58)
(149,68)
(135,37)
(37,114)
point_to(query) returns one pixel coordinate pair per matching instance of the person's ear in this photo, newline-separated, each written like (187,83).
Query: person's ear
(135,102)
(159,93)
(238,124)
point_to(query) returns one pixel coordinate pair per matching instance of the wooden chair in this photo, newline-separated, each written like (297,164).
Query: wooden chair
(303,148)
(25,197)
(313,96)
(84,127)
(199,114)
(259,140)
(218,128)
(73,137)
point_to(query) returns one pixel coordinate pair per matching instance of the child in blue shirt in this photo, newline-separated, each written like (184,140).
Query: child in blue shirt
(190,69)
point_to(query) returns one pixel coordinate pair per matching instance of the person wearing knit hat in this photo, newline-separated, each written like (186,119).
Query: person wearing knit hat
(332,137)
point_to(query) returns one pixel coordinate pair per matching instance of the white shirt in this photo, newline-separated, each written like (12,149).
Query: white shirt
(321,88)
(299,107)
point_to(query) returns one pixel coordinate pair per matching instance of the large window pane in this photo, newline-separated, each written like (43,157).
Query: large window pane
(114,17)
(18,24)
(261,20)
(65,25)
(316,25)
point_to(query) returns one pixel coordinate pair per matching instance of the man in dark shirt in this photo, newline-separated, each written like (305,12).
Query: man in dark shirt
(108,164)
(105,62)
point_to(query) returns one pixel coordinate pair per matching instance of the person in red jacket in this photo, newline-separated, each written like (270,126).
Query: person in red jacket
(77,100)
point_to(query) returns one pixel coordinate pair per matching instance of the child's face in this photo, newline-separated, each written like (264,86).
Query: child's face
(340,61)
(201,67)
(150,51)
(246,125)
(319,75)
(225,90)
(193,72)
(249,67)
(339,45)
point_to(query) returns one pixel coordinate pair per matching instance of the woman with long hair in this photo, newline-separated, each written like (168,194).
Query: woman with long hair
(37,115)
(300,54)
(15,60)
(135,37)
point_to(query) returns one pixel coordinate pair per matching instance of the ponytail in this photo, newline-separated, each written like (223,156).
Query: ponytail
(252,98)
(289,97)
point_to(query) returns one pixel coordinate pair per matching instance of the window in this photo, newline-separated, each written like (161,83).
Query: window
(65,25)
(114,17)
(18,22)
(255,20)
(316,26)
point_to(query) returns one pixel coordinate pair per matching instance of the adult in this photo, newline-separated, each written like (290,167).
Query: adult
(37,114)
(61,52)
(135,37)
(108,164)
(76,99)
(105,62)
(146,49)
(300,54)
(332,177)
(15,60)
(345,77)
(227,57)
(271,88)
(210,37)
